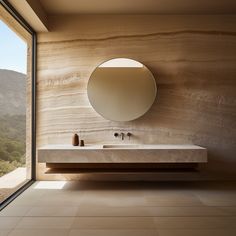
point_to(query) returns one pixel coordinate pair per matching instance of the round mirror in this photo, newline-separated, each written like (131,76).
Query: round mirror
(121,89)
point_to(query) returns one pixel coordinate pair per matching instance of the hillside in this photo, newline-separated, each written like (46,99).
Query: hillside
(12,120)
(12,92)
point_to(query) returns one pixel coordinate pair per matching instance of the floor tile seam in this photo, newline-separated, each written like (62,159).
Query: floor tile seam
(14,227)
(9,232)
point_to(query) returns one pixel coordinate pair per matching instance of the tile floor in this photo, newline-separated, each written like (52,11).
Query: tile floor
(61,208)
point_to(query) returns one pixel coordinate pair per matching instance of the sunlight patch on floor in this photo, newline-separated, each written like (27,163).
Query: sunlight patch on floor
(50,185)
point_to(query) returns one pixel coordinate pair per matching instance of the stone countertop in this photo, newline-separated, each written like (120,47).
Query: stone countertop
(159,153)
(104,147)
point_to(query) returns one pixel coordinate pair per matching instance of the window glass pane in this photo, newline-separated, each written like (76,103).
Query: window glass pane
(15,100)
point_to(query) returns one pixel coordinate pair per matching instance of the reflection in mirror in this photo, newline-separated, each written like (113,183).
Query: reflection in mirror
(121,62)
(121,89)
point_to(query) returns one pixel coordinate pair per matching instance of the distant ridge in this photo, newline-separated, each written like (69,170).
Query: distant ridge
(12,92)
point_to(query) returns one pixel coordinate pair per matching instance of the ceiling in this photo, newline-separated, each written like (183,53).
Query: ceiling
(37,12)
(139,6)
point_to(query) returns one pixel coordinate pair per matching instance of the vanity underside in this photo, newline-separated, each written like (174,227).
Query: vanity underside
(71,168)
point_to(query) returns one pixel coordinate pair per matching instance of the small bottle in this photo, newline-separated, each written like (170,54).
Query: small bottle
(81,143)
(75,140)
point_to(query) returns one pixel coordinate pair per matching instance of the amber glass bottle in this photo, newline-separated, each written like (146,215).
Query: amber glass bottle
(75,140)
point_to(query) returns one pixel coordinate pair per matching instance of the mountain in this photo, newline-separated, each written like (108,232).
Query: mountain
(12,93)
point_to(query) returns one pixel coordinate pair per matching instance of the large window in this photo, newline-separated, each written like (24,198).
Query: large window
(16,100)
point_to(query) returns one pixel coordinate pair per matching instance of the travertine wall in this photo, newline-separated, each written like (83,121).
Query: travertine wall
(193,59)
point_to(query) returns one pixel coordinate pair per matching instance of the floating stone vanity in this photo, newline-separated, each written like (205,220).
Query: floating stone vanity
(120,158)
(121,154)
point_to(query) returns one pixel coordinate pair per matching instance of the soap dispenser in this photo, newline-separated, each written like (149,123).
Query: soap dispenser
(75,140)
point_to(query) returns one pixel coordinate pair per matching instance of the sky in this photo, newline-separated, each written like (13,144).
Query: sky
(13,50)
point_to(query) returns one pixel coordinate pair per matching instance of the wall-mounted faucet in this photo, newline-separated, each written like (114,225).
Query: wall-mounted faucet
(122,135)
(129,135)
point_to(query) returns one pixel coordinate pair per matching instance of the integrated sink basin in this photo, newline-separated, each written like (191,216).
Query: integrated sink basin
(122,146)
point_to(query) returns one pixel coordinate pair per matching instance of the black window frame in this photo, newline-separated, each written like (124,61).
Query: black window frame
(7,6)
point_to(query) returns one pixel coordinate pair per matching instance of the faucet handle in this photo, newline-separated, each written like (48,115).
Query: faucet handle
(129,134)
(116,135)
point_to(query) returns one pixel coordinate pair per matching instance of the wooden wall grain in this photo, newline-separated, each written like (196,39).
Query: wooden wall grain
(193,59)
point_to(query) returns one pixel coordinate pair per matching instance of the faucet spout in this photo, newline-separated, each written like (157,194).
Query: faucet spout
(122,136)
